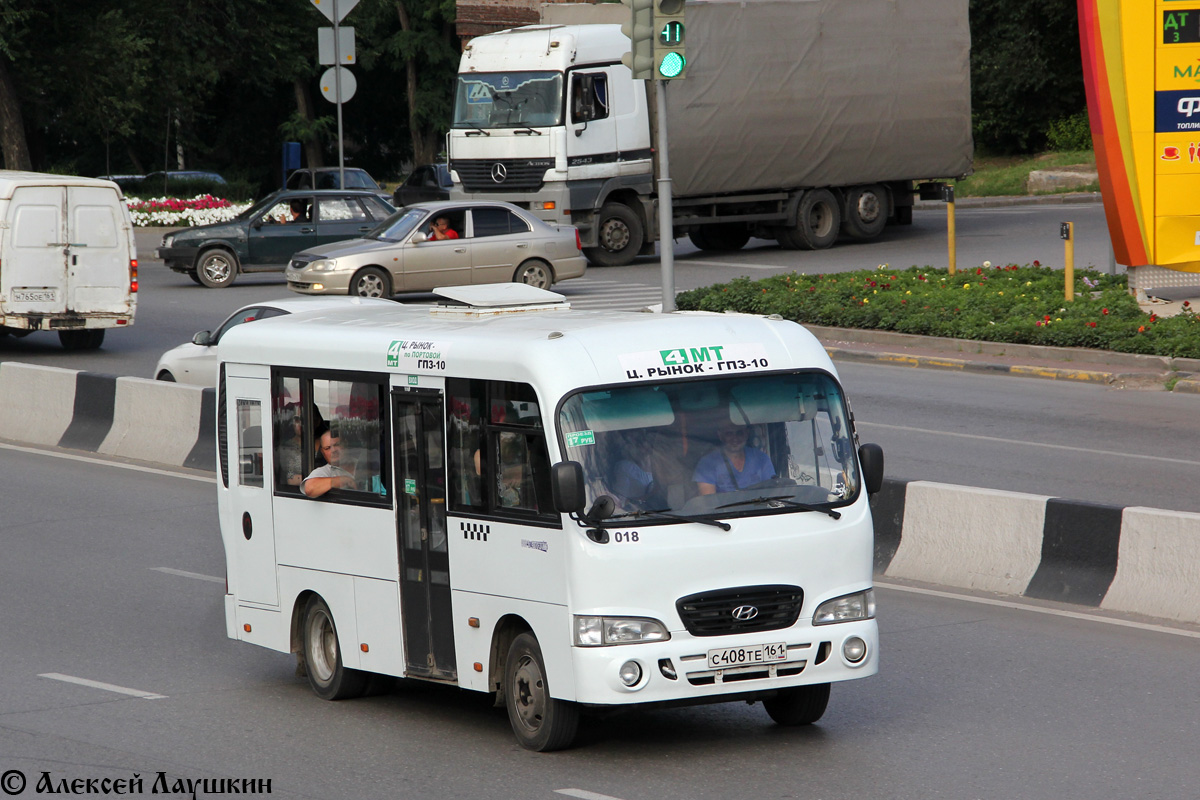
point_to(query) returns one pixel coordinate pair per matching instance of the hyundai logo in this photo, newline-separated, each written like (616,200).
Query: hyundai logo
(745,613)
(499,173)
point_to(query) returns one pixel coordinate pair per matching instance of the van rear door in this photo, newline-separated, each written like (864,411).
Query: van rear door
(66,251)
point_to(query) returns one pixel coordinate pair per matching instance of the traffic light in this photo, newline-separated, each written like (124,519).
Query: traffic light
(670,62)
(640,30)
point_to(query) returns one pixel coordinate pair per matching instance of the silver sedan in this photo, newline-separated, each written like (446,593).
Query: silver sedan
(442,244)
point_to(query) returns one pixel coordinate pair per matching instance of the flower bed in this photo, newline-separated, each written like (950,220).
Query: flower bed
(176,213)
(1010,303)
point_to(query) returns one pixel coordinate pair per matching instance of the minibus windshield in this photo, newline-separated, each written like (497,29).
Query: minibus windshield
(730,446)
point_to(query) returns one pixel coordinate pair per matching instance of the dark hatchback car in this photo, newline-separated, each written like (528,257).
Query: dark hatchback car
(263,237)
(329,178)
(426,183)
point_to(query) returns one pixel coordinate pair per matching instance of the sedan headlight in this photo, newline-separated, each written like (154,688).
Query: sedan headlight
(323,265)
(848,608)
(605,631)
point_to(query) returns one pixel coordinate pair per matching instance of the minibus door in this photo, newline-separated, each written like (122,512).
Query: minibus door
(421,528)
(250,489)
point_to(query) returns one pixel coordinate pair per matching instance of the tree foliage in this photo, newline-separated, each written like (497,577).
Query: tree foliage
(1025,71)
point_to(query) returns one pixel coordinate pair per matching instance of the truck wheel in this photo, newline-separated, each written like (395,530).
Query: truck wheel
(370,282)
(818,221)
(89,339)
(329,679)
(534,272)
(722,237)
(539,721)
(866,211)
(216,268)
(619,236)
(802,705)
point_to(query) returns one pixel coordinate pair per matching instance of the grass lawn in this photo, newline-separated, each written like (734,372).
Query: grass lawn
(1006,175)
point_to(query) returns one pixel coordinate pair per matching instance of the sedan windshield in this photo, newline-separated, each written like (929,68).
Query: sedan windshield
(398,225)
(508,100)
(748,444)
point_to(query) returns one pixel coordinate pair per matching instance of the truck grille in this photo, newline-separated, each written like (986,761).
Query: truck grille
(713,613)
(480,175)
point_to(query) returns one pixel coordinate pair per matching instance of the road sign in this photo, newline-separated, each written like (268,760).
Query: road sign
(326,55)
(329,84)
(343,7)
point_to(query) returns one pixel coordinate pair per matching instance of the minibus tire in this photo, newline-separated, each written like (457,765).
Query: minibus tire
(328,677)
(540,722)
(800,705)
(216,268)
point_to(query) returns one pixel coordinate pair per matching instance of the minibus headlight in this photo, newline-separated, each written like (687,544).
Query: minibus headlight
(848,608)
(604,631)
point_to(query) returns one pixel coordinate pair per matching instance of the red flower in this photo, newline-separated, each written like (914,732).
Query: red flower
(1091,324)
(1036,263)
(1104,311)
(1141,329)
(1047,318)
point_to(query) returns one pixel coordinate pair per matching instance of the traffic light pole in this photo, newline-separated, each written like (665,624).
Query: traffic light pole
(666,229)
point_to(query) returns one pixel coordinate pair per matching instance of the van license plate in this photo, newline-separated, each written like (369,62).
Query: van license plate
(34,295)
(745,656)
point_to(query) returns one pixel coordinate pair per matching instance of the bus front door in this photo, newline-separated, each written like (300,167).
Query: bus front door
(424,556)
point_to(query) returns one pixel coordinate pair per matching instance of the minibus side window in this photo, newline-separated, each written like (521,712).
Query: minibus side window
(497,449)
(250,455)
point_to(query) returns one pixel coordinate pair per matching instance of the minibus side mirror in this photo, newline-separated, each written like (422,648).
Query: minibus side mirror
(566,487)
(203,338)
(871,458)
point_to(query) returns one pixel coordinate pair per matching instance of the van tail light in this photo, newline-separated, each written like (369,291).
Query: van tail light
(133,280)
(578,242)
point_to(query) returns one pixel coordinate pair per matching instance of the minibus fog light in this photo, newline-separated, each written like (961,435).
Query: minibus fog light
(604,631)
(854,649)
(631,673)
(848,608)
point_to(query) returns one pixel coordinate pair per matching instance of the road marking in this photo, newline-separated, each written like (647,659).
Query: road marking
(1000,440)
(106,462)
(108,687)
(987,601)
(183,574)
(584,794)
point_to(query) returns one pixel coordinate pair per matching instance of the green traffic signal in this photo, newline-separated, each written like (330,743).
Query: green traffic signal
(671,33)
(672,65)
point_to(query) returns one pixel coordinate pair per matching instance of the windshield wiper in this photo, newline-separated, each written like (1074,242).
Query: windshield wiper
(786,501)
(526,131)
(477,131)
(664,515)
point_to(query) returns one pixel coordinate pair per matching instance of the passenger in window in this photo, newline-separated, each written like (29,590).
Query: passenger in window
(733,465)
(289,449)
(333,474)
(441,229)
(633,477)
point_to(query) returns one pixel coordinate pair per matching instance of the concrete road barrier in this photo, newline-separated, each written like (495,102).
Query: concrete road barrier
(1132,560)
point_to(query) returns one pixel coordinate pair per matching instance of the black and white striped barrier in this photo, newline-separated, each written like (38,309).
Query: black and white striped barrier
(1126,559)
(132,418)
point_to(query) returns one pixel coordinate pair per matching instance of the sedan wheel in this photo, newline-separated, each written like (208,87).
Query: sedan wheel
(370,282)
(217,268)
(534,273)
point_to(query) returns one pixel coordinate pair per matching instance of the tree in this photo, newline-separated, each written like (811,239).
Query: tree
(1025,71)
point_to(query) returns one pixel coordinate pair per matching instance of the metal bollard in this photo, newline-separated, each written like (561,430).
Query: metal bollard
(1066,232)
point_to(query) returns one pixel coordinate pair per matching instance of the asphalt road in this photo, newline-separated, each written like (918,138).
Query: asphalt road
(119,581)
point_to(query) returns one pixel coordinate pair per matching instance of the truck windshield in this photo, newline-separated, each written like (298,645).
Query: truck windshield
(508,100)
(747,444)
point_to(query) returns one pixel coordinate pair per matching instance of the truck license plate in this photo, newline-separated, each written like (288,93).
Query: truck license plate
(34,295)
(746,656)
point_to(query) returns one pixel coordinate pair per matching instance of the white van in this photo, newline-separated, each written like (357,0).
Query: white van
(478,520)
(68,261)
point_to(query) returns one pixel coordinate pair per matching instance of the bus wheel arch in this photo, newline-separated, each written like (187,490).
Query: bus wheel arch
(507,629)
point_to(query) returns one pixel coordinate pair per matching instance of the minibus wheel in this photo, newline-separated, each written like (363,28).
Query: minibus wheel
(800,705)
(539,721)
(330,680)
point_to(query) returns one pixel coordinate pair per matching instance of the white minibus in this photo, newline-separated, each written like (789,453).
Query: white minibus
(572,510)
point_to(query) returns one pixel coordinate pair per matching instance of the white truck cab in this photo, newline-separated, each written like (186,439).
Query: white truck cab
(68,261)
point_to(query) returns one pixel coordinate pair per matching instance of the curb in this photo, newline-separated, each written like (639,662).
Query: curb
(1114,558)
(1002,201)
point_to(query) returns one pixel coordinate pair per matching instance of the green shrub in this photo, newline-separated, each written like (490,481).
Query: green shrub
(1070,133)
(1010,303)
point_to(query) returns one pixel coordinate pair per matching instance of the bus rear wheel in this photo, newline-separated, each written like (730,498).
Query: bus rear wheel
(539,721)
(800,705)
(327,676)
